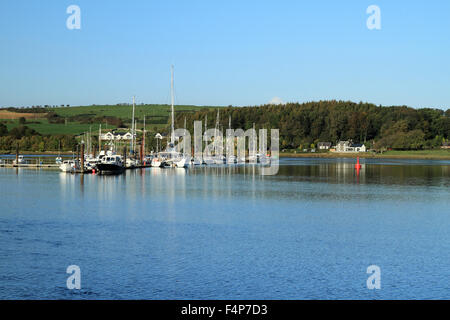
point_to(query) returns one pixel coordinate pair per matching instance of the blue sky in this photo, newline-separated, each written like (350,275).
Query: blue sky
(225,52)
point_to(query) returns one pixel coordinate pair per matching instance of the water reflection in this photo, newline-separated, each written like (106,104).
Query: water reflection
(185,231)
(144,191)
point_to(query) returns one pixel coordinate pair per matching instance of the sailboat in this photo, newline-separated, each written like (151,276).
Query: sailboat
(58,159)
(231,158)
(207,159)
(219,158)
(171,157)
(253,156)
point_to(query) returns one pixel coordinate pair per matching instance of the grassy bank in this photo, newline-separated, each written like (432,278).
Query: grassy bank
(440,154)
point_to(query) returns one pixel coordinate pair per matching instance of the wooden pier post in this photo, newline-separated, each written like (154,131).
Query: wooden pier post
(82,158)
(78,156)
(125,156)
(17,153)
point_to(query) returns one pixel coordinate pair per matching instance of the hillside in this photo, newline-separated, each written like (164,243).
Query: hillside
(78,119)
(44,128)
(303,125)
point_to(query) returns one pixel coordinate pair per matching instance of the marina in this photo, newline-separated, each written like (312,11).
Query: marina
(109,160)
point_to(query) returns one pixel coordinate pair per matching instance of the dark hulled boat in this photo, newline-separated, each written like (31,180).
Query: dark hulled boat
(112,164)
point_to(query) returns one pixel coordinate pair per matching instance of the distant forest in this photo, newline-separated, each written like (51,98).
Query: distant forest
(301,125)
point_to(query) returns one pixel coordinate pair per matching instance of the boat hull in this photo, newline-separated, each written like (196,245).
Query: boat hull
(109,169)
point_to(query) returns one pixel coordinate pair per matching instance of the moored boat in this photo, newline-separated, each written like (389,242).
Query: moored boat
(111,164)
(69,166)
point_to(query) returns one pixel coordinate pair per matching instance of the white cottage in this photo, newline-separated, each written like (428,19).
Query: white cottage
(347,146)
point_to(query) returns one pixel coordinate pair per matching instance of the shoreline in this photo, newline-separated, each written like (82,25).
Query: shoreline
(366,155)
(37,153)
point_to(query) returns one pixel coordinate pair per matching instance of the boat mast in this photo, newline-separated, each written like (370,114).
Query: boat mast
(90,139)
(143,138)
(134,144)
(216,133)
(132,130)
(172,138)
(100,138)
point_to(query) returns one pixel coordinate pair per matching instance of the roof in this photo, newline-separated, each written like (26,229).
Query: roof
(324,143)
(357,145)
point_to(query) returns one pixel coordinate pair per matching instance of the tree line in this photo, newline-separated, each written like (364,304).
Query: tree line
(29,139)
(305,124)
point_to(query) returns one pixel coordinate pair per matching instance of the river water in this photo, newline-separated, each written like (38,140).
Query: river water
(309,232)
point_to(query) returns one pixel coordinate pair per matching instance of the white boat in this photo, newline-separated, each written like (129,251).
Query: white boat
(131,163)
(157,162)
(69,165)
(183,163)
(90,162)
(220,159)
(171,157)
(208,160)
(20,160)
(231,159)
(58,159)
(255,158)
(196,162)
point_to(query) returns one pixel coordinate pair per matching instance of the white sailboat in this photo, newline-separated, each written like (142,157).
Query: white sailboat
(231,158)
(207,159)
(171,157)
(219,158)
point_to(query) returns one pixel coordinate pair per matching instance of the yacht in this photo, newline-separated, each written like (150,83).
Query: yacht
(111,164)
(171,157)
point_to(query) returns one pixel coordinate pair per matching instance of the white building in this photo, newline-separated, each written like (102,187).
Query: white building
(324,145)
(347,146)
(116,136)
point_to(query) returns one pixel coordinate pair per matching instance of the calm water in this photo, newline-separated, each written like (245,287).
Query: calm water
(228,233)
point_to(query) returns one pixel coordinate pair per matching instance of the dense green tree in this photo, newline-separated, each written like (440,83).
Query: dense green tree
(303,124)
(3,130)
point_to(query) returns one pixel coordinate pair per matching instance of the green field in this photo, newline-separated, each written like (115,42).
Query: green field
(157,117)
(43,127)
